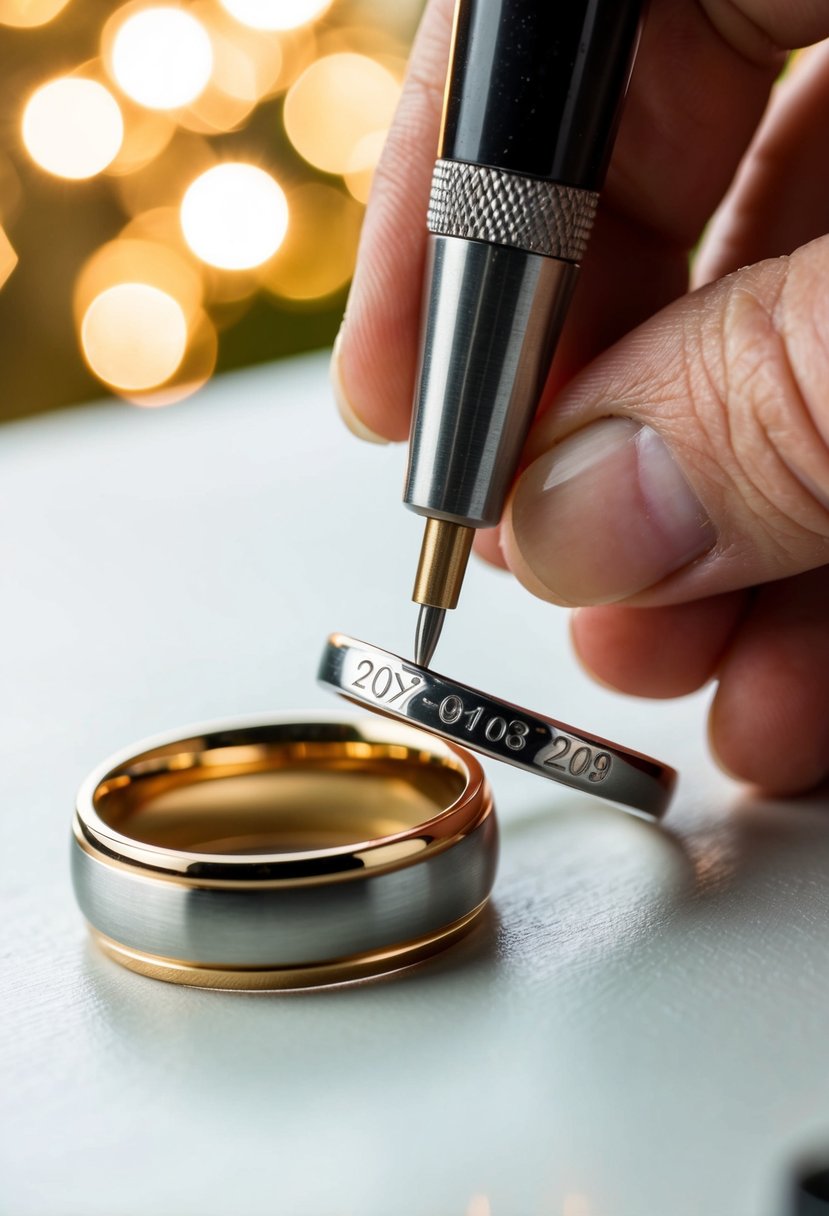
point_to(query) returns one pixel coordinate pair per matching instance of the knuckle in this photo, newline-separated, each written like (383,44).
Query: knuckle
(761,421)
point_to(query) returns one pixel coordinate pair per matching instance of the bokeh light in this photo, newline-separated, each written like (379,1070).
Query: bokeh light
(335,104)
(162,57)
(162,225)
(162,181)
(8,257)
(26,14)
(276,14)
(236,142)
(193,372)
(11,188)
(146,134)
(235,70)
(234,216)
(141,255)
(215,112)
(317,257)
(253,64)
(299,50)
(246,65)
(134,336)
(72,127)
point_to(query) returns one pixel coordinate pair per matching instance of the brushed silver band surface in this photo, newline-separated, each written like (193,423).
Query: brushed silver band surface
(294,911)
(486,204)
(403,690)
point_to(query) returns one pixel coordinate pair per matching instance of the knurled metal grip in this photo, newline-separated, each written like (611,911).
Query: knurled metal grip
(486,204)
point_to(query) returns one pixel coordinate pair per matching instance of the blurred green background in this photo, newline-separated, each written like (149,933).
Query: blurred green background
(182,186)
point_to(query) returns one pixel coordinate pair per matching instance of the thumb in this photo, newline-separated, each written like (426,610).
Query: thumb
(693,457)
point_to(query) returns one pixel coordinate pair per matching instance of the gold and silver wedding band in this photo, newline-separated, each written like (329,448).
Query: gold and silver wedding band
(267,854)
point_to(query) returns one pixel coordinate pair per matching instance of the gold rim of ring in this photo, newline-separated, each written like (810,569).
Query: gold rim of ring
(274,979)
(186,761)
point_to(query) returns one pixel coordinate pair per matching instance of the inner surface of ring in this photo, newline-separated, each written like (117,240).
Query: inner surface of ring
(277,798)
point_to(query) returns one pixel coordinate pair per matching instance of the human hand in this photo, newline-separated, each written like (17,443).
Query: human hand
(676,480)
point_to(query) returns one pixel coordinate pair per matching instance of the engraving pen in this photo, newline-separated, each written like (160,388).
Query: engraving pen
(533,96)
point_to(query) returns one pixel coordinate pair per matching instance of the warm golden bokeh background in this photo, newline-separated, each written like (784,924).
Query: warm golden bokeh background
(181,185)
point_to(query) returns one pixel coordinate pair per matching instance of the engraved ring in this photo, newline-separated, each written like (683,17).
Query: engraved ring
(400,689)
(281,854)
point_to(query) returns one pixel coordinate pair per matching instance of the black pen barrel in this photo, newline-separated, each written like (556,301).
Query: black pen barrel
(536,88)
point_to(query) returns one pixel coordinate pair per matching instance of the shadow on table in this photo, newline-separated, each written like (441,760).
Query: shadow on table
(584,881)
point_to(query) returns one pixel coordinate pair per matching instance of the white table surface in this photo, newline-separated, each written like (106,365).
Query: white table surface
(642,1027)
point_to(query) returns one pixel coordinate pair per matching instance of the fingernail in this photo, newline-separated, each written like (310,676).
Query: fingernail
(347,412)
(604,515)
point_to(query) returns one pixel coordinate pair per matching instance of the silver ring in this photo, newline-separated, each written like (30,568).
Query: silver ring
(278,854)
(399,689)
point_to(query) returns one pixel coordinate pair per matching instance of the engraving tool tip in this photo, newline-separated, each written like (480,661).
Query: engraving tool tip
(429,625)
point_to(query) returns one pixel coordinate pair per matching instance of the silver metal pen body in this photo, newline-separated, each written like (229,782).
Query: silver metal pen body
(493,313)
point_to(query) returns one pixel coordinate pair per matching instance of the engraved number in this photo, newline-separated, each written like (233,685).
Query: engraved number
(580,760)
(517,736)
(384,680)
(383,676)
(450,711)
(496,728)
(601,767)
(564,746)
(514,734)
(584,762)
(367,663)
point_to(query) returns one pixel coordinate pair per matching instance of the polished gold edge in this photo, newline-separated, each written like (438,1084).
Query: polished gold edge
(385,854)
(311,975)
(381,858)
(193,763)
